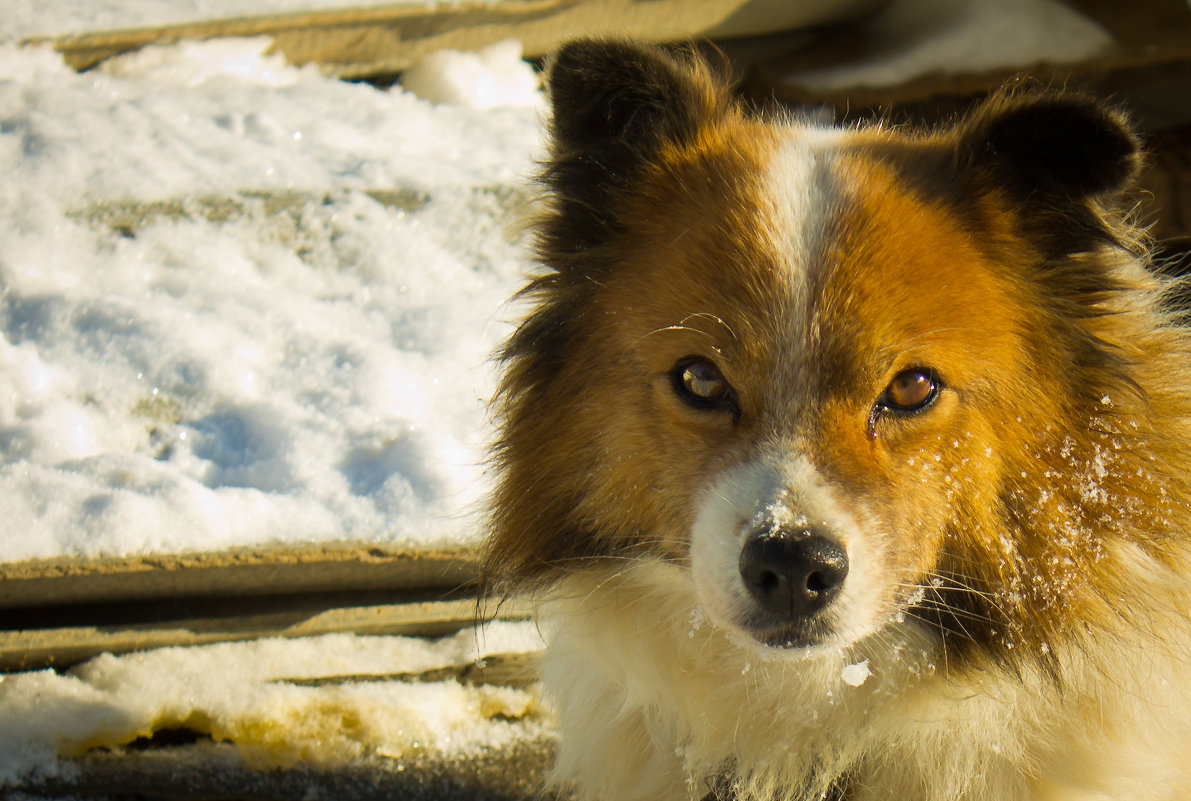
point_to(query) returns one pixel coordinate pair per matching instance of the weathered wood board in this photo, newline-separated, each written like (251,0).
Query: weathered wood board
(364,42)
(61,611)
(215,772)
(128,216)
(61,645)
(1147,67)
(241,572)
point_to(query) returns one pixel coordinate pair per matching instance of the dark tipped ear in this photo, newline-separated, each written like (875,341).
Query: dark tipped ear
(1051,147)
(616,105)
(606,93)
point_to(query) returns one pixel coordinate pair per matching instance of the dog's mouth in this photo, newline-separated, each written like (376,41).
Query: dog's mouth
(786,639)
(789,635)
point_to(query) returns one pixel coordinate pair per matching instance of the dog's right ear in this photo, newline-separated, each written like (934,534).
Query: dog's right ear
(611,96)
(616,105)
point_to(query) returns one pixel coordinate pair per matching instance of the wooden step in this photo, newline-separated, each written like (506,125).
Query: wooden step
(217,772)
(127,217)
(383,40)
(1147,69)
(57,612)
(326,567)
(62,640)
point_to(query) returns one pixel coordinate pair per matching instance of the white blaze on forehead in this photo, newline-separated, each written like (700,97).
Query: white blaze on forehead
(800,196)
(802,192)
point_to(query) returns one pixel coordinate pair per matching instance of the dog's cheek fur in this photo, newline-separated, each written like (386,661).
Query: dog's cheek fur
(558,387)
(1036,506)
(598,457)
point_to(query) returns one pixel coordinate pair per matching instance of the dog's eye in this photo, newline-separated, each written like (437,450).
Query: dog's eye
(911,390)
(701,383)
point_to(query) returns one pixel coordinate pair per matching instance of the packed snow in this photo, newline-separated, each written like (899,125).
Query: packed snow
(202,381)
(246,694)
(492,77)
(244,303)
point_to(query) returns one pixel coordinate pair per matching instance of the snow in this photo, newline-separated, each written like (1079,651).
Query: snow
(856,674)
(291,343)
(237,693)
(487,79)
(311,374)
(915,38)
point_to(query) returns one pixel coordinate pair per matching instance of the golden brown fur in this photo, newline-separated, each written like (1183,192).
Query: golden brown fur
(1015,622)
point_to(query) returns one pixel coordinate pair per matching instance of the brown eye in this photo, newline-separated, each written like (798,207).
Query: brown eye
(911,390)
(700,383)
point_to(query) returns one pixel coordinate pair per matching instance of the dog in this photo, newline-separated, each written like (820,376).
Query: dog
(846,463)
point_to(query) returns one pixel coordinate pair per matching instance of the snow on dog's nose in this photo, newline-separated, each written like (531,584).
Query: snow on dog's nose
(779,555)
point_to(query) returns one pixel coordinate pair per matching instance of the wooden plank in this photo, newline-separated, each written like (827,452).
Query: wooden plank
(327,567)
(1111,76)
(363,42)
(62,646)
(218,772)
(501,670)
(1167,183)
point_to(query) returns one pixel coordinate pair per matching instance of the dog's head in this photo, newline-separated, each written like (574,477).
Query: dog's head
(843,376)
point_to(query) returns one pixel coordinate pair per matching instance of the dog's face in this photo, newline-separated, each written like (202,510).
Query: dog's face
(819,361)
(809,366)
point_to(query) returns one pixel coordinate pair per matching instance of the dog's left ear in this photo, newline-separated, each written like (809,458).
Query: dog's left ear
(1050,150)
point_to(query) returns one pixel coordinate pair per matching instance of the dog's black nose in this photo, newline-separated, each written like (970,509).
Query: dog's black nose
(793,573)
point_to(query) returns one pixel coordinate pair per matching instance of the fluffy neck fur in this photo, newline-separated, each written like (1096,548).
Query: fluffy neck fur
(661,705)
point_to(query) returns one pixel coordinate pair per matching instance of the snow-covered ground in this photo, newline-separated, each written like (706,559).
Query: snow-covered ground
(239,693)
(315,374)
(314,365)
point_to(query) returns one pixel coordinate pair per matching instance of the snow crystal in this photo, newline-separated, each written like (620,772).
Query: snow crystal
(697,619)
(916,596)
